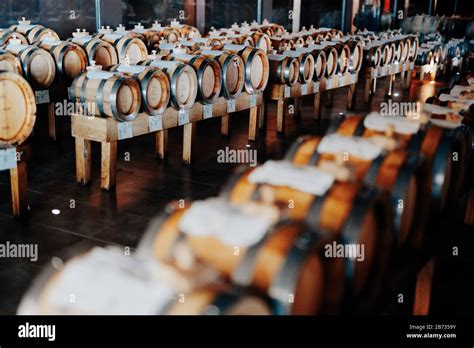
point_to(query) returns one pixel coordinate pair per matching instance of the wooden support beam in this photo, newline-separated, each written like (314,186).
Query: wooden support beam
(281,110)
(225,125)
(83,160)
(108,165)
(161,143)
(253,123)
(19,188)
(51,121)
(317,106)
(189,131)
(424,282)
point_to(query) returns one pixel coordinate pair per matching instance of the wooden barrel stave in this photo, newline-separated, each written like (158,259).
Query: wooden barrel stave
(99,51)
(8,62)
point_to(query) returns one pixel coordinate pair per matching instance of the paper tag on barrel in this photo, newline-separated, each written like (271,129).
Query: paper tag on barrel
(304,89)
(207,111)
(124,130)
(329,83)
(252,100)
(42,97)
(155,123)
(183,117)
(7,158)
(287,92)
(230,105)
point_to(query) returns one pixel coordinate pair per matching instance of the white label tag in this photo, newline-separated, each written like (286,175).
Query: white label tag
(207,111)
(354,78)
(230,105)
(183,117)
(42,97)
(304,89)
(124,130)
(412,65)
(342,81)
(329,83)
(7,158)
(252,100)
(287,92)
(316,87)
(376,72)
(155,123)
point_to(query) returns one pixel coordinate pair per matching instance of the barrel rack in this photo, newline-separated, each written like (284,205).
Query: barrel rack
(426,69)
(14,159)
(371,75)
(281,93)
(108,132)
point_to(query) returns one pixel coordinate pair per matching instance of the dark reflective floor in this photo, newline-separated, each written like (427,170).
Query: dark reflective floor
(145,185)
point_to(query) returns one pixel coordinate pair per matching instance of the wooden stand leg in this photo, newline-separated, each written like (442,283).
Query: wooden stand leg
(108,165)
(390,85)
(422,74)
(281,108)
(469,217)
(368,85)
(262,117)
(330,95)
(297,110)
(424,281)
(317,106)
(161,143)
(253,123)
(83,161)
(19,187)
(188,134)
(225,125)
(408,80)
(351,94)
(51,121)
(374,86)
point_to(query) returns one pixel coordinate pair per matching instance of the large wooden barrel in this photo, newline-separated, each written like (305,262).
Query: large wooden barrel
(105,281)
(348,210)
(183,81)
(283,69)
(306,62)
(256,66)
(233,71)
(103,93)
(37,64)
(255,251)
(393,171)
(154,84)
(438,172)
(6,35)
(33,32)
(129,48)
(17,109)
(71,59)
(8,62)
(98,51)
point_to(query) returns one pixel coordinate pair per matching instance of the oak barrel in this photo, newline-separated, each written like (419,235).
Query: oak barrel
(6,35)
(98,51)
(283,69)
(8,62)
(33,32)
(129,48)
(306,62)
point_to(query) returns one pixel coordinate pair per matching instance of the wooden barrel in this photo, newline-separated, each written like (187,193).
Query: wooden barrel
(391,52)
(262,41)
(37,64)
(394,171)
(183,81)
(98,51)
(414,45)
(264,262)
(344,56)
(372,56)
(103,93)
(233,71)
(405,50)
(34,32)
(189,32)
(17,109)
(385,55)
(306,63)
(209,75)
(154,84)
(256,66)
(8,62)
(424,57)
(171,35)
(348,210)
(71,59)
(331,58)
(438,172)
(6,35)
(356,55)
(283,69)
(319,58)
(127,47)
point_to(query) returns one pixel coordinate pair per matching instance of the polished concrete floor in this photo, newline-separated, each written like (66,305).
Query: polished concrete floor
(145,185)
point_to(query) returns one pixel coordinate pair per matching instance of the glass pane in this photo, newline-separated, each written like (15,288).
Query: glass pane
(147,11)
(223,13)
(326,13)
(62,16)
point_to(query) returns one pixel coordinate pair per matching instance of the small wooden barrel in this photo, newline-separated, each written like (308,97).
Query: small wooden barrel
(209,75)
(350,211)
(70,58)
(331,58)
(10,63)
(107,94)
(438,173)
(424,57)
(127,46)
(372,56)
(283,69)
(344,56)
(189,32)
(357,54)
(319,57)
(256,66)
(394,172)
(6,35)
(99,51)
(385,55)
(37,64)
(264,266)
(306,62)
(34,32)
(17,109)
(391,53)
(405,50)
(262,41)
(414,45)
(183,81)
(154,84)
(233,71)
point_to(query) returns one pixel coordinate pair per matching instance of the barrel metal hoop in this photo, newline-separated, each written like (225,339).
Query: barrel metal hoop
(24,60)
(144,87)
(100,97)
(83,97)
(290,154)
(60,59)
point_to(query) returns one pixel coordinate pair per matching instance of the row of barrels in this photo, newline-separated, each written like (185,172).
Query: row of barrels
(370,185)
